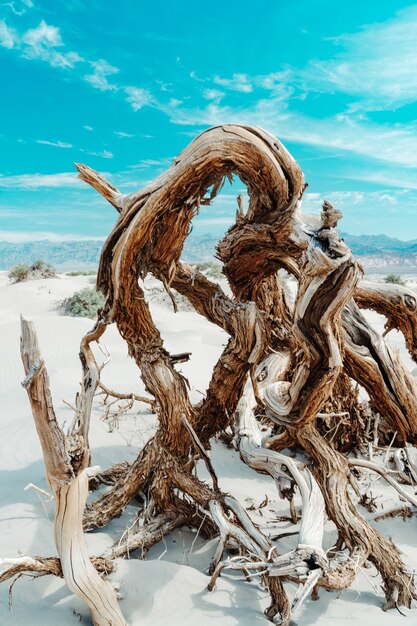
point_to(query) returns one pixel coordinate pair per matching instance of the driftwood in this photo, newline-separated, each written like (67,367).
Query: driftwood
(67,473)
(281,361)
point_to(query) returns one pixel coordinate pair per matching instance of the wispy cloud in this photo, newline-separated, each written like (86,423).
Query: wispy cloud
(147,163)
(175,102)
(138,97)
(369,211)
(8,36)
(122,135)
(99,78)
(238,82)
(104,154)
(89,128)
(382,142)
(55,144)
(37,181)
(42,43)
(392,177)
(378,64)
(213,94)
(21,6)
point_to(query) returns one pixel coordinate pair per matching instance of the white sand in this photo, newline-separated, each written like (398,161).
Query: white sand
(170,586)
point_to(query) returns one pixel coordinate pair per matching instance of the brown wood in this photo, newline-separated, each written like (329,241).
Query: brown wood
(292,363)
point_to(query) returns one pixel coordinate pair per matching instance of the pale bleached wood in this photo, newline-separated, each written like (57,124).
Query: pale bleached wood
(43,566)
(377,367)
(399,305)
(65,461)
(308,561)
(382,471)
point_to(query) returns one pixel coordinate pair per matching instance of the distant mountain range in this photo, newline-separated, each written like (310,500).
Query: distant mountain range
(375,245)
(62,254)
(373,251)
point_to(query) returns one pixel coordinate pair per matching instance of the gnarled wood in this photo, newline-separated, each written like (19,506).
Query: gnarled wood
(324,336)
(378,368)
(397,303)
(67,475)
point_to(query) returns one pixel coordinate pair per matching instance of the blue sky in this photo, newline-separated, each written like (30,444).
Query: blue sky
(125,86)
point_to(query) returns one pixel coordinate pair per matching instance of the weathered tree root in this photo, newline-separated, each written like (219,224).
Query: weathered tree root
(397,303)
(378,368)
(322,337)
(261,241)
(331,470)
(44,566)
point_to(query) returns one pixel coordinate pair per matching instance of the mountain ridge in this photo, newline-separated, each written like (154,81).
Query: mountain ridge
(371,250)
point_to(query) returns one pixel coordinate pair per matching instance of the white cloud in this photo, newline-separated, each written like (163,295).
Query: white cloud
(404,179)
(378,63)
(394,144)
(89,128)
(55,144)
(367,211)
(104,154)
(98,79)
(238,82)
(45,43)
(19,11)
(146,163)
(12,7)
(122,135)
(138,97)
(41,43)
(43,35)
(8,36)
(175,102)
(213,94)
(37,181)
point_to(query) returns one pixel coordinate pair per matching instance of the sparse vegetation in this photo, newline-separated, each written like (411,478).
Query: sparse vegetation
(81,273)
(214,270)
(38,269)
(394,279)
(83,303)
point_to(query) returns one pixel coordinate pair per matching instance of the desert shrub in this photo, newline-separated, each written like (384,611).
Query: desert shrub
(38,269)
(81,273)
(19,273)
(84,303)
(214,270)
(395,279)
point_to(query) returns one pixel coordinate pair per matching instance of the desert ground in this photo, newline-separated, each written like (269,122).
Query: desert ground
(169,584)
